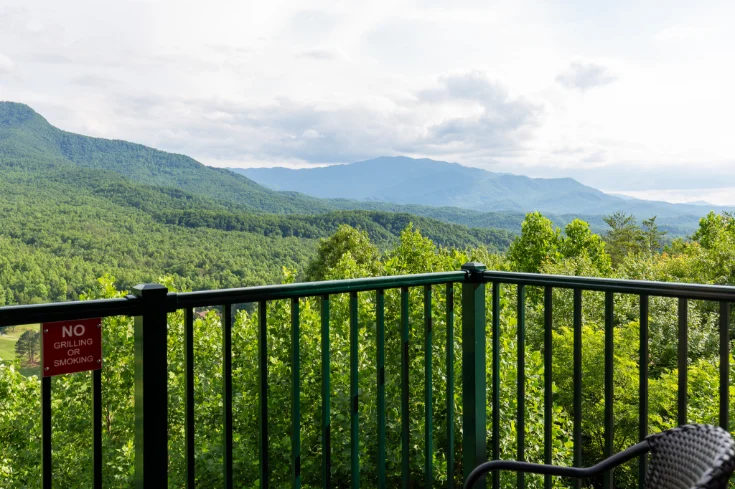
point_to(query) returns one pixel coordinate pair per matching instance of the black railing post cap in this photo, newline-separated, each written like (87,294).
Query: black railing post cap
(149,290)
(474,266)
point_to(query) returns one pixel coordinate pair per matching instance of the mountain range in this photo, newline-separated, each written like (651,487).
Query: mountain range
(35,154)
(43,161)
(426,182)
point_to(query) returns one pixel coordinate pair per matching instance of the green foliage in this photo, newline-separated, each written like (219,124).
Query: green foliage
(624,237)
(707,259)
(713,254)
(348,254)
(542,245)
(413,253)
(55,241)
(714,229)
(331,251)
(27,346)
(653,235)
(538,243)
(579,243)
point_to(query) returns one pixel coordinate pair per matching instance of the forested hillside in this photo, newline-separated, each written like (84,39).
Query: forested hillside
(28,140)
(74,208)
(58,237)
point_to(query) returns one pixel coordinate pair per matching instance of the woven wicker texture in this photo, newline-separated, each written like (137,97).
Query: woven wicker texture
(691,457)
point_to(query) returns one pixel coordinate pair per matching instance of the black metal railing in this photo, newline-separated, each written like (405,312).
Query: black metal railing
(644,290)
(150,304)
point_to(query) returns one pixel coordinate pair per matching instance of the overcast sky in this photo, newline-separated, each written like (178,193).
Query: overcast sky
(627,96)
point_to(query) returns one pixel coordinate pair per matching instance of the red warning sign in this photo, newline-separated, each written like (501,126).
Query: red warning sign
(71,346)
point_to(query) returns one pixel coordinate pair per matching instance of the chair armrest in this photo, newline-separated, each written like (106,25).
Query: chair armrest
(574,472)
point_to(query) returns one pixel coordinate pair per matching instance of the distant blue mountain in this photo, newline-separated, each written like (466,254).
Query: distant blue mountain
(403,180)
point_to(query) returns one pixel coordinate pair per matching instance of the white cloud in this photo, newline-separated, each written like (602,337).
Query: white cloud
(311,134)
(6,64)
(436,120)
(584,76)
(324,54)
(686,33)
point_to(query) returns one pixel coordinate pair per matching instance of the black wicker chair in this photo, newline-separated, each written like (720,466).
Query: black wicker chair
(687,457)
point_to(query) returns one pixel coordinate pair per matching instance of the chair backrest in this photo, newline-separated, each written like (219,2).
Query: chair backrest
(691,457)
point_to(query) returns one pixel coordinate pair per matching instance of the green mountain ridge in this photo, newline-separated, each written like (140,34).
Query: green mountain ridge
(29,143)
(24,135)
(434,183)
(174,188)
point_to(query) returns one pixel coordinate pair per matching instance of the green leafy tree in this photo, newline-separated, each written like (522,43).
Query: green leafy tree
(580,243)
(624,237)
(714,229)
(538,243)
(28,345)
(541,244)
(347,240)
(653,235)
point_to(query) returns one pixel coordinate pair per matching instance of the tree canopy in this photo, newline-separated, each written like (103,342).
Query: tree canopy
(350,253)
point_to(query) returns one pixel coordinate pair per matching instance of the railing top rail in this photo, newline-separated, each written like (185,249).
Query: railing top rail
(308,289)
(664,289)
(62,311)
(131,306)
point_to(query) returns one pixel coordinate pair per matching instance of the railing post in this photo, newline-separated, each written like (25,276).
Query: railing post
(474,449)
(151,388)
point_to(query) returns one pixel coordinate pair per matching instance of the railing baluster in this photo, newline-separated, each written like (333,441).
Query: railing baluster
(643,387)
(263,392)
(725,365)
(450,385)
(380,347)
(521,367)
(97,429)
(609,387)
(151,387)
(428,414)
(326,414)
(682,362)
(405,422)
(354,389)
(496,380)
(577,382)
(548,392)
(189,399)
(474,370)
(295,396)
(227,394)
(46,472)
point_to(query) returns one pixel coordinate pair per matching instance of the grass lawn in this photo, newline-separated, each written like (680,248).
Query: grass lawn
(7,347)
